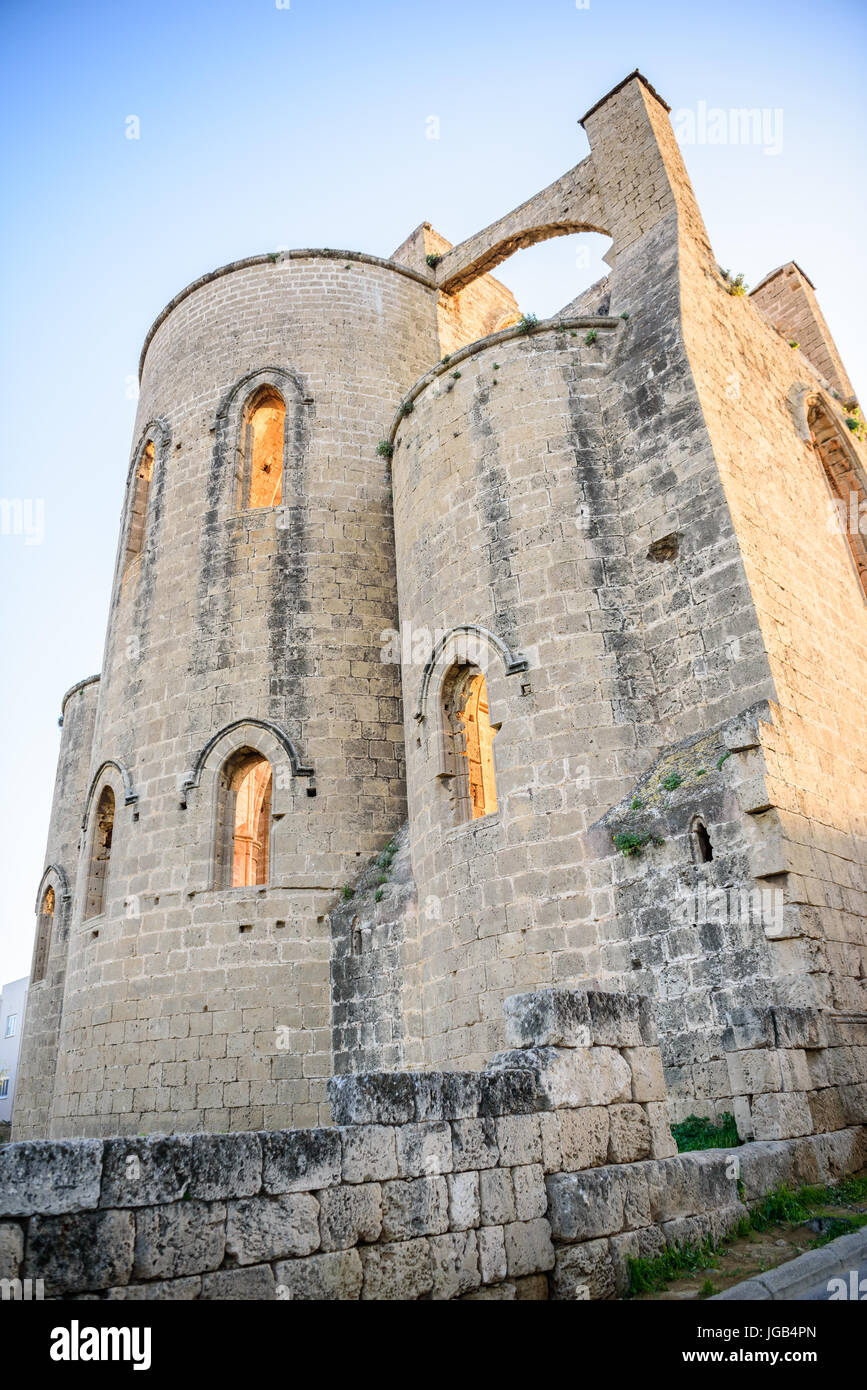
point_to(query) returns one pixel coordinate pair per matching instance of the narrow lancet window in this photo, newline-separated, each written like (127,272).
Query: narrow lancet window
(139,504)
(244,827)
(264,433)
(470,757)
(100,853)
(44,929)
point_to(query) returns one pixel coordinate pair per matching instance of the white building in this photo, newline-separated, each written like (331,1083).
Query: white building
(12,1004)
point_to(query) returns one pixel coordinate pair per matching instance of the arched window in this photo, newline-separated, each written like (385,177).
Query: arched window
(139,504)
(471,735)
(846,484)
(702,847)
(43,936)
(244,821)
(264,431)
(100,853)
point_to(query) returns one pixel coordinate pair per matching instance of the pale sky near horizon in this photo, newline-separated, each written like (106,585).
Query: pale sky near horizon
(266,125)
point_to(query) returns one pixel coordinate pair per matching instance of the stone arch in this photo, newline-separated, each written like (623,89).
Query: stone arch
(260,735)
(127,792)
(845,479)
(468,642)
(144,475)
(233,427)
(50,918)
(99,851)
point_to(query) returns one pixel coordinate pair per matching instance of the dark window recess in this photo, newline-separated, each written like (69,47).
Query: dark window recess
(702,843)
(665,548)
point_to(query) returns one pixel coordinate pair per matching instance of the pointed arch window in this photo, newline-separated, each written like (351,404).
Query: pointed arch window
(44,928)
(470,735)
(100,853)
(244,821)
(846,482)
(139,503)
(262,449)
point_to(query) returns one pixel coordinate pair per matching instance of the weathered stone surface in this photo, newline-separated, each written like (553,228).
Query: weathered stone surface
(662,1143)
(628,1135)
(255,1283)
(584,1137)
(531,1195)
(748,1028)
(185,1290)
(519,1139)
(417,1207)
(349,1215)
(798,1027)
(369,1153)
(533,1288)
(86,1251)
(548,1018)
(570,1077)
(511,1091)
(582,1206)
(423,1150)
(496,1197)
(584,1272)
(272,1228)
(474,1145)
(495,1293)
(50,1176)
(226,1165)
(143,1171)
(11,1249)
(826,1110)
(374,1098)
(301,1160)
(464,1204)
(184,1238)
(646,1243)
(754,1072)
(645,1064)
(397,1272)
(529,1249)
(781,1116)
(492,1254)
(615,1019)
(454,1264)
(332,1277)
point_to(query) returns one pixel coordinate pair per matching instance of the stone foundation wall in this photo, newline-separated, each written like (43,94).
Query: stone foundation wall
(536,1178)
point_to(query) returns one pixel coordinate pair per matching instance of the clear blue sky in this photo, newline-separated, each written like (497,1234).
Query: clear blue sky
(263,127)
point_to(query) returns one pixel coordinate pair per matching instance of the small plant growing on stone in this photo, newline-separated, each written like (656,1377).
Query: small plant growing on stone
(456,376)
(793,343)
(433,259)
(407,409)
(526,322)
(724,758)
(591,336)
(377,897)
(737,285)
(702,772)
(382,878)
(629,843)
(624,315)
(384,449)
(855,420)
(445,360)
(637,803)
(273,257)
(346,892)
(672,781)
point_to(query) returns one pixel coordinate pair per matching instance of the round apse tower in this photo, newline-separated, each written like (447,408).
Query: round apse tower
(247,750)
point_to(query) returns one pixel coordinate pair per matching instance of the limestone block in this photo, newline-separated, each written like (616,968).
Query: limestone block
(474,1145)
(226,1165)
(417,1207)
(854,1102)
(754,1072)
(799,1027)
(333,1277)
(711,1176)
(301,1160)
(496,1293)
(373,1098)
(531,1196)
(628,1134)
(582,1206)
(662,1143)
(549,1130)
(615,1019)
(350,1214)
(423,1150)
(572,1077)
(584,1136)
(454,1264)
(50,1177)
(688,1230)
(519,1139)
(781,1116)
(492,1254)
(255,1283)
(645,1064)
(794,1072)
(496,1197)
(84,1251)
(533,1288)
(636,1196)
(464,1203)
(584,1272)
(184,1238)
(511,1091)
(272,1228)
(369,1153)
(400,1272)
(140,1172)
(764,1166)
(548,1018)
(11,1249)
(748,1028)
(529,1249)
